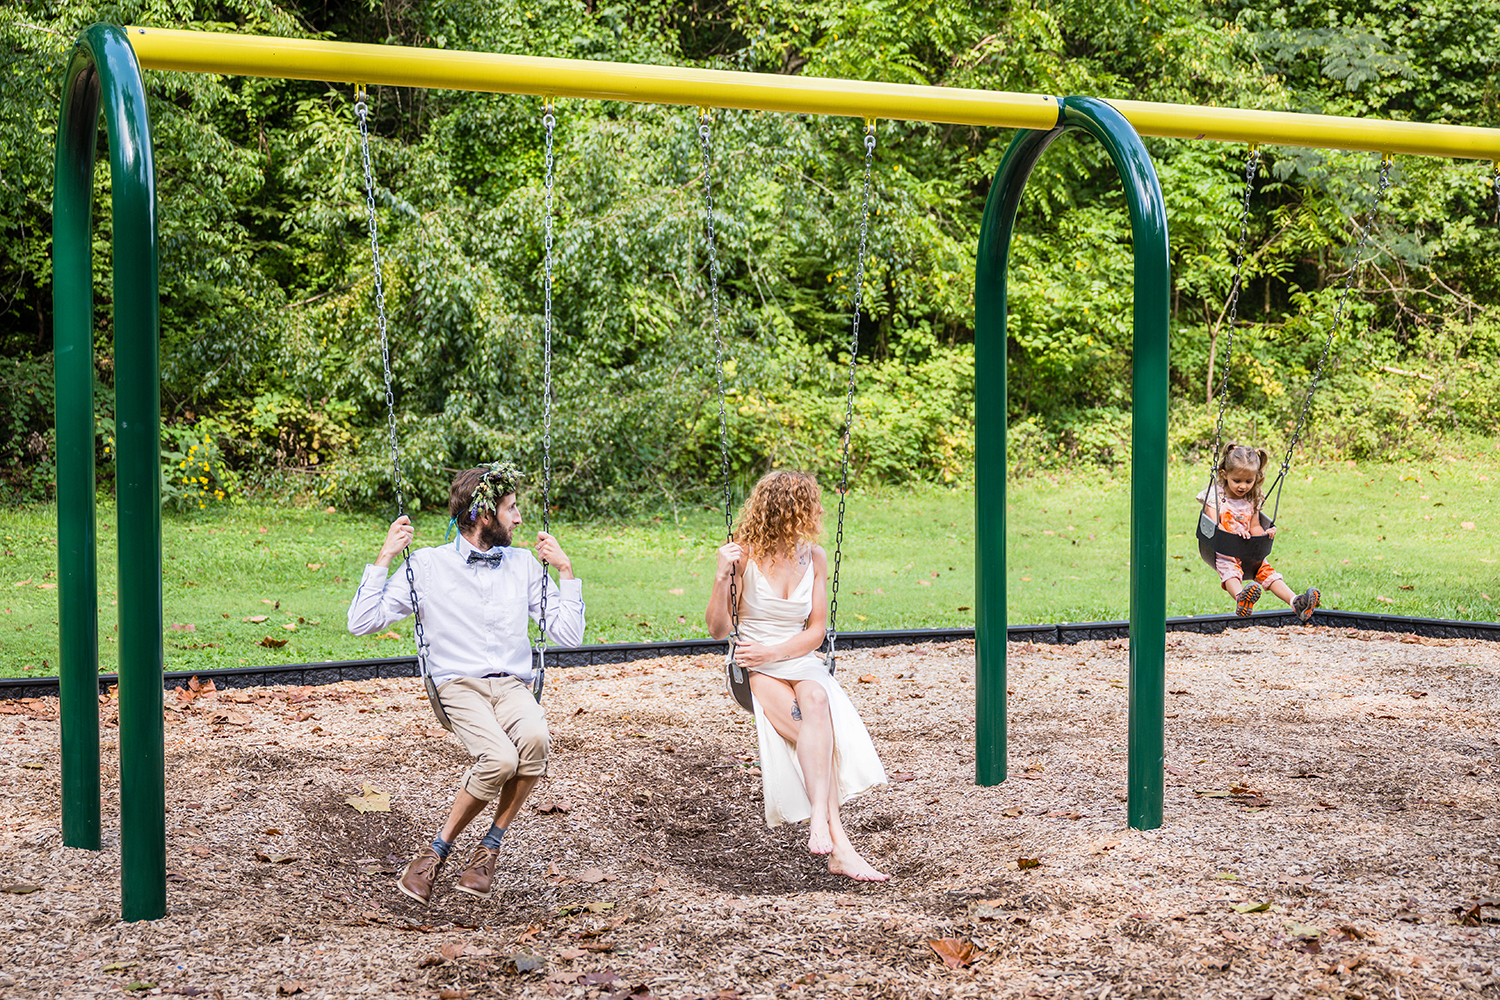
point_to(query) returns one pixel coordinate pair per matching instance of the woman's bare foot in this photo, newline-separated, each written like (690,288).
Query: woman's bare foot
(819,841)
(851,863)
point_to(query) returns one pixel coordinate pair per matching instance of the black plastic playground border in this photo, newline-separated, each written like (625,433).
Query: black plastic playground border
(624,652)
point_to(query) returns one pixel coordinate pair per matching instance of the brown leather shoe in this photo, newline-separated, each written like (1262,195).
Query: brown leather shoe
(479,878)
(416,881)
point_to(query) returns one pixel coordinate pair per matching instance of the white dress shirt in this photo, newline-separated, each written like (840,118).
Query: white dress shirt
(473,614)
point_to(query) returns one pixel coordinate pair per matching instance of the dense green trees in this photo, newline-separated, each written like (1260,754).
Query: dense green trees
(270,363)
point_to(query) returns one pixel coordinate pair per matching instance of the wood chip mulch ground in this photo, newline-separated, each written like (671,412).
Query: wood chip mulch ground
(1330,831)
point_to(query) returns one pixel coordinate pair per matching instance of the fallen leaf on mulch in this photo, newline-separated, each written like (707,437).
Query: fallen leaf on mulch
(568,954)
(869,679)
(447,993)
(955,952)
(554,806)
(1297,930)
(1471,916)
(371,799)
(388,865)
(594,875)
(454,950)
(19,889)
(640,991)
(1251,906)
(291,988)
(232,716)
(603,978)
(138,986)
(274,859)
(903,776)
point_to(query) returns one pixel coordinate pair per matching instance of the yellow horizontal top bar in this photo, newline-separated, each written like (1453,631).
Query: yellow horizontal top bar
(442,69)
(1285,128)
(347,62)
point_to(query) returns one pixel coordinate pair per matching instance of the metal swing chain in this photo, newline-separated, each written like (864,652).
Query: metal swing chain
(549,122)
(362,112)
(1252,168)
(1338,315)
(859,295)
(705,123)
(1495,182)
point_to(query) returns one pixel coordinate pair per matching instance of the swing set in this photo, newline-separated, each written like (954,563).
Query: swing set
(105,75)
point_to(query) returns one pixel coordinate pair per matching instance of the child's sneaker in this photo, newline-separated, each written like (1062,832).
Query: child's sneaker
(1245,603)
(1306,603)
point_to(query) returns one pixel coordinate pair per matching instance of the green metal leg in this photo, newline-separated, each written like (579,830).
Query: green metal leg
(104,70)
(1148,532)
(990,401)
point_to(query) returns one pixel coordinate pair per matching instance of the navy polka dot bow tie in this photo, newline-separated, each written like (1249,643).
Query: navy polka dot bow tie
(487,559)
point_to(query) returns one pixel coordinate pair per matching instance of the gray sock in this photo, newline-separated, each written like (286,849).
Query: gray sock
(493,838)
(441,846)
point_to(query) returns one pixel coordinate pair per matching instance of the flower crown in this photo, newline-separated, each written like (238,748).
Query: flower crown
(503,478)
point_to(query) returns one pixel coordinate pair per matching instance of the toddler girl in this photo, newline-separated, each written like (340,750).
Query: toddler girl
(1240,481)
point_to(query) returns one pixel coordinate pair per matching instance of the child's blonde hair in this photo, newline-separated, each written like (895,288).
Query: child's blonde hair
(1242,456)
(782,511)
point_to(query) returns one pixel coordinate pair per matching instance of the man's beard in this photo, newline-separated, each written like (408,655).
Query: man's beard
(494,534)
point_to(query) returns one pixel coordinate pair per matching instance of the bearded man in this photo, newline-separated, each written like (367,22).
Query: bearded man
(472,600)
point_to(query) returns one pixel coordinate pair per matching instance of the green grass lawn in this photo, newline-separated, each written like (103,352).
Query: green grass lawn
(1415,540)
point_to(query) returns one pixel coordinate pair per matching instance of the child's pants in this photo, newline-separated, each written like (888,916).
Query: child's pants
(1230,569)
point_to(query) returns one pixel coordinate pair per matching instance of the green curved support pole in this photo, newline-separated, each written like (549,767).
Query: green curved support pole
(103,70)
(1148,517)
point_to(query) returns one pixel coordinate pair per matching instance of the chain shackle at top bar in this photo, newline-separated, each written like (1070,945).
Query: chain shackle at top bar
(1252,168)
(859,298)
(549,122)
(362,112)
(705,131)
(1338,315)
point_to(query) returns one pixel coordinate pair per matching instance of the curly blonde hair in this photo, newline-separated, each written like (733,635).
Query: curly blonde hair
(784,509)
(1242,456)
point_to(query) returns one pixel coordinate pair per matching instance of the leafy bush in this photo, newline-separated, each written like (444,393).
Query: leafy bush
(194,471)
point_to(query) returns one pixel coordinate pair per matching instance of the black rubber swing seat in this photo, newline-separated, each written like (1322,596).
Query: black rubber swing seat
(1214,541)
(738,680)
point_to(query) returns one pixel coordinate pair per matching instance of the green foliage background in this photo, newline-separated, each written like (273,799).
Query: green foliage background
(271,364)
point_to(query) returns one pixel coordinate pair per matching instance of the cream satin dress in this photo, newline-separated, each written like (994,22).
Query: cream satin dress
(768,619)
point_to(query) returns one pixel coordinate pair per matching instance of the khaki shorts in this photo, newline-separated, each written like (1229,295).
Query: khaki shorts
(498,721)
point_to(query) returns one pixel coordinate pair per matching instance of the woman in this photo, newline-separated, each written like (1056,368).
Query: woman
(814,750)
